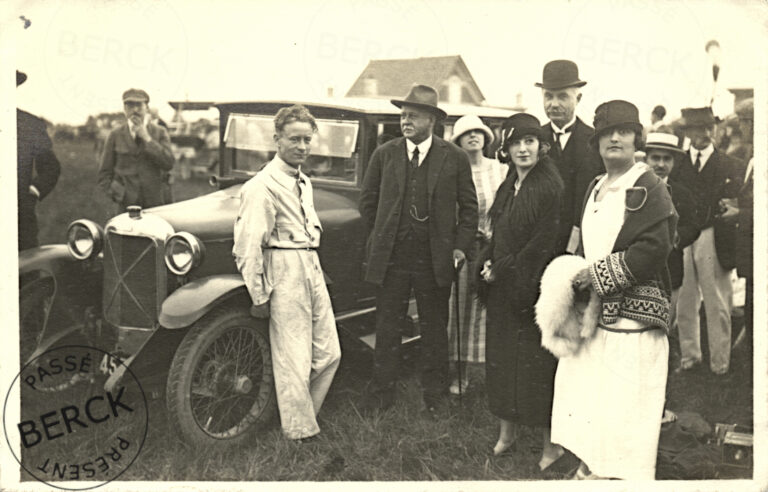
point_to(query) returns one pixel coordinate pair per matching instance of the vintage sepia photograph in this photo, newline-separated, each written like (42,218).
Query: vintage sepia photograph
(384,245)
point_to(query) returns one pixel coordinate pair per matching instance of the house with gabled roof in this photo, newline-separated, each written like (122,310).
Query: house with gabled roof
(449,75)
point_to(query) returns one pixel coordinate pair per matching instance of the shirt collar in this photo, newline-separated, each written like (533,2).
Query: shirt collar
(568,126)
(423,147)
(705,152)
(284,173)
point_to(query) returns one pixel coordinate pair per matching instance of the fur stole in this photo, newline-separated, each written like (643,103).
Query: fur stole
(565,319)
(542,181)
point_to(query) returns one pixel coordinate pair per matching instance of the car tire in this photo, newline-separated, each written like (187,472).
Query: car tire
(220,385)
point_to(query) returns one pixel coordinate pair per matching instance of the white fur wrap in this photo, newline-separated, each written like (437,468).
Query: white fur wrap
(564,322)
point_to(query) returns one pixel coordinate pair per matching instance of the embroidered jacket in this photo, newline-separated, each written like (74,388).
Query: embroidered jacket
(633,281)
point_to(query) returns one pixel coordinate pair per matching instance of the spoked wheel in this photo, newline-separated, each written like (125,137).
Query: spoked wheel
(35,300)
(220,385)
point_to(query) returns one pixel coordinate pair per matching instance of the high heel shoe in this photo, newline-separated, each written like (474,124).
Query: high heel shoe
(503,448)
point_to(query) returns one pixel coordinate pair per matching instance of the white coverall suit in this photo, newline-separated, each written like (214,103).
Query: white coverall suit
(277,233)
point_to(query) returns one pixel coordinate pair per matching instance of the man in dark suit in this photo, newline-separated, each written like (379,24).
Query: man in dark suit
(37,170)
(741,215)
(419,203)
(137,157)
(708,262)
(663,151)
(577,162)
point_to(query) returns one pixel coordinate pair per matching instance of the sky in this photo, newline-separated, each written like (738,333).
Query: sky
(81,55)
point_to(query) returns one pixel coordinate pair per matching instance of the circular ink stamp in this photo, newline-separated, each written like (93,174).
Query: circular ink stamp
(74,431)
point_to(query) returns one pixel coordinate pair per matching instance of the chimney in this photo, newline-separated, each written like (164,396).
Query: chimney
(519,99)
(329,92)
(370,86)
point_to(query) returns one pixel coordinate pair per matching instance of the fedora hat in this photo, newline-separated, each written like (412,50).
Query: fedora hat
(467,123)
(21,77)
(616,113)
(421,96)
(664,141)
(559,74)
(697,117)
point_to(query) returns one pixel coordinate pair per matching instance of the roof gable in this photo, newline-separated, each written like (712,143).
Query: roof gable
(394,78)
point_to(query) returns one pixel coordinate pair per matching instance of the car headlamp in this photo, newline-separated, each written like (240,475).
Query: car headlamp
(183,252)
(84,239)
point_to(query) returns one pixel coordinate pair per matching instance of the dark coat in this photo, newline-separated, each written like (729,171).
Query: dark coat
(519,372)
(688,229)
(745,226)
(717,180)
(452,205)
(578,164)
(36,165)
(134,173)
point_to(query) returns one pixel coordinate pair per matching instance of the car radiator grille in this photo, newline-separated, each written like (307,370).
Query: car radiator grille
(131,282)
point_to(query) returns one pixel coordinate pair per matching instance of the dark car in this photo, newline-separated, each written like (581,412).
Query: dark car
(159,290)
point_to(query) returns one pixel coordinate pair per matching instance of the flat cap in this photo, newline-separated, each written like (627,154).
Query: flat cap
(137,95)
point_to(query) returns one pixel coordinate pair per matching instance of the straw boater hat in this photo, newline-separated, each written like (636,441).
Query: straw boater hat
(560,74)
(664,141)
(421,96)
(468,123)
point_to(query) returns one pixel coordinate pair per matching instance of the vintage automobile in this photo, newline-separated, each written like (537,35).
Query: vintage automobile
(158,289)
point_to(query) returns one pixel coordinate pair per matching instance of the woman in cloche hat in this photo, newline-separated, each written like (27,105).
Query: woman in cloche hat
(473,136)
(524,221)
(609,396)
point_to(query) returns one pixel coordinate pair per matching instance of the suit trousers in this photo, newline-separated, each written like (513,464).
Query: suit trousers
(303,338)
(410,267)
(704,278)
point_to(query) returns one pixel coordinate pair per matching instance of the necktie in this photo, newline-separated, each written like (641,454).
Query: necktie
(559,134)
(415,159)
(698,162)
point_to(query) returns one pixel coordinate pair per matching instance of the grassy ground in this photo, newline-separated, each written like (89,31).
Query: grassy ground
(402,444)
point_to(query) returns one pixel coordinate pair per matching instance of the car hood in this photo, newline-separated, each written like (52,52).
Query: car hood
(213,216)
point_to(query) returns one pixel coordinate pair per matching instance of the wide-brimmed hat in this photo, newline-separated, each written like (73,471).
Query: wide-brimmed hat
(21,77)
(421,96)
(559,74)
(467,123)
(136,95)
(664,141)
(697,117)
(613,114)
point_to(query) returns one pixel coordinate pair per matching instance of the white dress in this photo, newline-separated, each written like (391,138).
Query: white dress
(609,397)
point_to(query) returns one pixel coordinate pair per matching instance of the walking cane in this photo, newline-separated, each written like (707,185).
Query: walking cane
(457,268)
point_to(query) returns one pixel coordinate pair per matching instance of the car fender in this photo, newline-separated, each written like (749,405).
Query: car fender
(77,283)
(193,300)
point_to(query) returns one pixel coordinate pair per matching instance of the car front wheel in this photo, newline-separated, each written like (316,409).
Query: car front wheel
(220,384)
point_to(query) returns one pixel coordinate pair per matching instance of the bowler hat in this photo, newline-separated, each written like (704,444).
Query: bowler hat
(616,113)
(664,141)
(559,74)
(697,117)
(137,95)
(21,77)
(421,96)
(467,123)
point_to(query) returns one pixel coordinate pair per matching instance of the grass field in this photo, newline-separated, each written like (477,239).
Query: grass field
(402,444)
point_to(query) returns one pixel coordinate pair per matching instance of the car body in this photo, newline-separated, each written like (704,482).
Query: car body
(159,289)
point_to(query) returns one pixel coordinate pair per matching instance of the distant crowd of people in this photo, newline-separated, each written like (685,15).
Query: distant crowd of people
(646,243)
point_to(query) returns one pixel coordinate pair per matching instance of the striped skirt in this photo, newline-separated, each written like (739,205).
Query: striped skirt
(472,321)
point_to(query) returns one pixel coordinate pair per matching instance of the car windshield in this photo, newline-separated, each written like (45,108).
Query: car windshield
(333,154)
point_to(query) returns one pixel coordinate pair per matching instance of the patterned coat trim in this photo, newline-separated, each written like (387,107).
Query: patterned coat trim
(610,275)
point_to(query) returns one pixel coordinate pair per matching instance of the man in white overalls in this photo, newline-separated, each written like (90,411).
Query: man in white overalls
(277,234)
